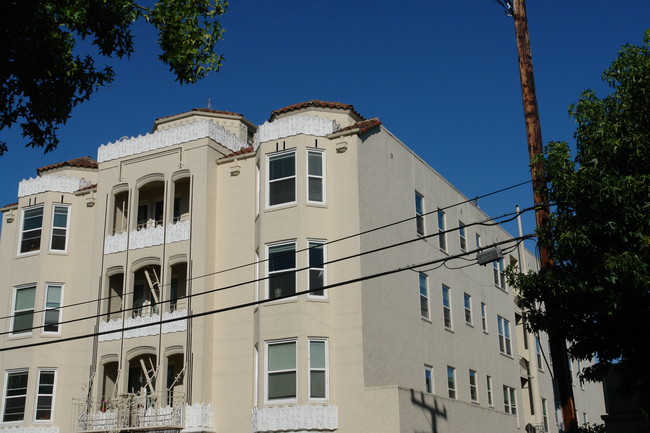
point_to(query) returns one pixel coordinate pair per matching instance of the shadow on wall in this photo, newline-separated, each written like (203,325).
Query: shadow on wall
(432,411)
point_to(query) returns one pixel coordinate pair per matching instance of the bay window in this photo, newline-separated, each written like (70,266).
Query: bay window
(281,179)
(281,371)
(282,270)
(32,225)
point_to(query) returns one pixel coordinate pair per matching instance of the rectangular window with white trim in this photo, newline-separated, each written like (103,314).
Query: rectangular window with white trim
(281,177)
(473,387)
(462,237)
(52,316)
(15,395)
(503,328)
(428,379)
(45,391)
(315,176)
(60,224)
(424,296)
(446,307)
(31,229)
(317,275)
(281,371)
(467,301)
(489,391)
(318,369)
(23,312)
(509,400)
(451,382)
(281,270)
(419,213)
(484,317)
(442,236)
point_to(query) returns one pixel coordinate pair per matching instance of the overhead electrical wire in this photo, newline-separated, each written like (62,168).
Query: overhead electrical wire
(351,236)
(261,301)
(340,259)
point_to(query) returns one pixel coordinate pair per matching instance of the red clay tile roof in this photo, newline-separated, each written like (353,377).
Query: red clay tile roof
(363,126)
(242,151)
(86,188)
(83,162)
(314,103)
(8,207)
(203,110)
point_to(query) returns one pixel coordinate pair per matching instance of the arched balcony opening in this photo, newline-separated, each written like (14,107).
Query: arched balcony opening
(151,205)
(178,287)
(115,296)
(109,381)
(181,200)
(146,291)
(120,212)
(142,374)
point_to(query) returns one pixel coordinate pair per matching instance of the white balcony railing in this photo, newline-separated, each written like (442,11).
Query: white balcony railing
(147,236)
(295,418)
(143,319)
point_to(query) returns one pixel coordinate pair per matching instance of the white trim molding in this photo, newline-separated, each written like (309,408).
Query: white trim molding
(294,125)
(169,137)
(198,415)
(51,182)
(167,328)
(295,418)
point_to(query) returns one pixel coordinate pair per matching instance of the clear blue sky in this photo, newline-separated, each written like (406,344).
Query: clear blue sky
(442,76)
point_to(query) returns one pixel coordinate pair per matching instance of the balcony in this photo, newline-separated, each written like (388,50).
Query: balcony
(295,418)
(155,411)
(144,317)
(146,236)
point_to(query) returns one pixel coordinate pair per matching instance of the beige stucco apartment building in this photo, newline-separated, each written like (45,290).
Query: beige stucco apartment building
(308,274)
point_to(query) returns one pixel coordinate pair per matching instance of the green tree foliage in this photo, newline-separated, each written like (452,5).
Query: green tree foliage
(599,229)
(43,78)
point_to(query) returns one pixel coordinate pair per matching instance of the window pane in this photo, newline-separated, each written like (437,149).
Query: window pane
(282,166)
(60,216)
(282,285)
(317,384)
(44,408)
(31,241)
(282,191)
(25,298)
(282,385)
(282,356)
(282,257)
(15,397)
(317,354)
(51,321)
(315,162)
(316,255)
(33,219)
(23,321)
(53,296)
(315,189)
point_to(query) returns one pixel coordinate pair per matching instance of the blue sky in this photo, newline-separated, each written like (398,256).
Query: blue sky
(442,77)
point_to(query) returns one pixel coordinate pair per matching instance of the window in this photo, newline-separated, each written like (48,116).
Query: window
(467,300)
(257,189)
(503,327)
(509,400)
(15,396)
(570,370)
(489,391)
(317,268)
(428,379)
(442,237)
(315,176)
(419,213)
(473,390)
(499,274)
(282,178)
(585,418)
(23,313)
(461,236)
(45,395)
(478,241)
(446,307)
(538,350)
(451,381)
(484,316)
(30,238)
(545,415)
(281,370)
(53,296)
(318,369)
(60,228)
(424,296)
(282,266)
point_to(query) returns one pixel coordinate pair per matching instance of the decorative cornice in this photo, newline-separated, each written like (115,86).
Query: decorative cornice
(169,137)
(51,182)
(295,418)
(294,125)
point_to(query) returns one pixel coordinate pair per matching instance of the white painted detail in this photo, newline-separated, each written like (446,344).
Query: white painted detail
(30,429)
(167,328)
(115,243)
(146,237)
(169,137)
(294,125)
(198,415)
(51,182)
(295,418)
(180,231)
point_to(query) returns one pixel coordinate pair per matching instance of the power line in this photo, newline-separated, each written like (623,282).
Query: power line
(261,301)
(475,199)
(340,259)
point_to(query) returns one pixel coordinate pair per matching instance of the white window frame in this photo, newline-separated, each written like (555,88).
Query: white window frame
(467,306)
(314,176)
(269,157)
(484,321)
(267,372)
(545,415)
(268,265)
(38,394)
(451,382)
(419,214)
(462,236)
(509,400)
(258,186)
(489,391)
(538,352)
(505,341)
(15,312)
(257,275)
(442,236)
(58,309)
(22,229)
(256,374)
(473,386)
(446,308)
(66,228)
(478,241)
(425,309)
(499,274)
(325,370)
(428,375)
(310,244)
(4,395)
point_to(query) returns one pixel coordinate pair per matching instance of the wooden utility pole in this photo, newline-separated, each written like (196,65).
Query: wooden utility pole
(517,9)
